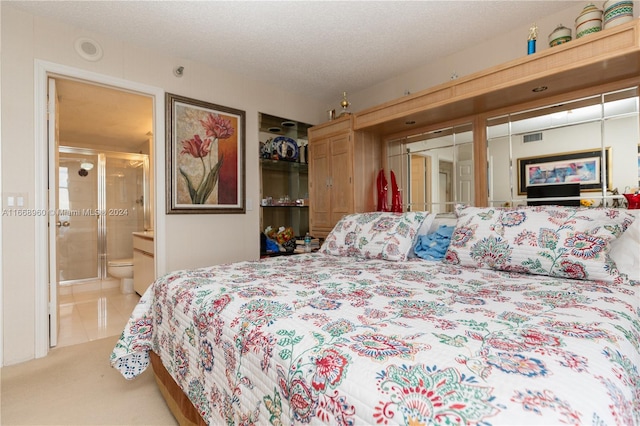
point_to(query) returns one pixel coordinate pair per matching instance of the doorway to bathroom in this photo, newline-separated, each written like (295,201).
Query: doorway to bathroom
(102,198)
(100,176)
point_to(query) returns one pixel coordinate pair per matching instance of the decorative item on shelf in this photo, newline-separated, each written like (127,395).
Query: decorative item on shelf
(283,236)
(382,192)
(560,35)
(345,105)
(533,36)
(331,114)
(617,12)
(396,197)
(289,246)
(632,196)
(285,200)
(589,21)
(285,148)
(302,150)
(615,203)
(266,148)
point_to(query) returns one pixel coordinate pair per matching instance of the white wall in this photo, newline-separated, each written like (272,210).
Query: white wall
(191,240)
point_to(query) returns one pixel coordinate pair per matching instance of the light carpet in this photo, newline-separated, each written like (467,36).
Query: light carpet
(75,385)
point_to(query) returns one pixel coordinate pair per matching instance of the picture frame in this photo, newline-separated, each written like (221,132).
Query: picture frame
(205,148)
(585,167)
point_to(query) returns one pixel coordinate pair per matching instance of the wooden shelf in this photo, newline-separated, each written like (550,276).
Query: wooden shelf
(600,58)
(281,165)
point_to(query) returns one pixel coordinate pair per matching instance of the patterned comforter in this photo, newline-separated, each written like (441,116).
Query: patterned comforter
(315,338)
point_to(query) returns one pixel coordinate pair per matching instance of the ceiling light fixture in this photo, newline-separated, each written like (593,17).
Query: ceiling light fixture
(86,165)
(178,71)
(88,49)
(539,89)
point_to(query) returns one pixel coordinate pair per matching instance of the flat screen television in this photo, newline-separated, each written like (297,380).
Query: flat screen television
(554,191)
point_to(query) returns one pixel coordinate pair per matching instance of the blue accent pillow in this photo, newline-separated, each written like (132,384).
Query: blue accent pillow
(434,245)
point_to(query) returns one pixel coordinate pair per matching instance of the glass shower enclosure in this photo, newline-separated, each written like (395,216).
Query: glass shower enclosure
(102,198)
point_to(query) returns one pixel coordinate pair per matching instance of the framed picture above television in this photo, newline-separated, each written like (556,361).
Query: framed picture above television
(583,167)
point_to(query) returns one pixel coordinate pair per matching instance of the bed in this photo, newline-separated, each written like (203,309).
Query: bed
(526,320)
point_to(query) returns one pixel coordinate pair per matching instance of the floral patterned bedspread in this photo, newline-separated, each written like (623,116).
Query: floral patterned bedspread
(315,338)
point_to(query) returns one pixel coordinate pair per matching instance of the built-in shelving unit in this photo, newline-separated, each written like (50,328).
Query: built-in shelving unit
(284,181)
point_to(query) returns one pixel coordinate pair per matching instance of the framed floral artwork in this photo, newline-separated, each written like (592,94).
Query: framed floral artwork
(205,157)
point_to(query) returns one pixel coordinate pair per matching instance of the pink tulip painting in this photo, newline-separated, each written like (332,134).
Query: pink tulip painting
(216,128)
(205,157)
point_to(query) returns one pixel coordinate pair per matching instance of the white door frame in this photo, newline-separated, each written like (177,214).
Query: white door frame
(43,70)
(53,161)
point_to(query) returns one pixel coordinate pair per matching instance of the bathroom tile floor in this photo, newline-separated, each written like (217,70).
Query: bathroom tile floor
(92,311)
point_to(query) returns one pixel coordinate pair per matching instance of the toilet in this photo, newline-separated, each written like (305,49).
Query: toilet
(122,269)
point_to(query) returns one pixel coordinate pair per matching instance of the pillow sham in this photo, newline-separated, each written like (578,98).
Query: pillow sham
(625,250)
(374,235)
(568,242)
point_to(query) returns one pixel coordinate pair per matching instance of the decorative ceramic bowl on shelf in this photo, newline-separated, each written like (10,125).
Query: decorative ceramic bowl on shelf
(560,35)
(617,12)
(589,21)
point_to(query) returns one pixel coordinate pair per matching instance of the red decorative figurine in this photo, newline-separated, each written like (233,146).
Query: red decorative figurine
(396,198)
(383,206)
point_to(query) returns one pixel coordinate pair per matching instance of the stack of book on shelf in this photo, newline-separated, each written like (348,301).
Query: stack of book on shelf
(315,245)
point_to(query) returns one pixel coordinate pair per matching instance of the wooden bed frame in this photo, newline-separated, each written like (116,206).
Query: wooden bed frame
(181,408)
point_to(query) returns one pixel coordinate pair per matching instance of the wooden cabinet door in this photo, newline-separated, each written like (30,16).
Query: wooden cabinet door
(341,177)
(319,186)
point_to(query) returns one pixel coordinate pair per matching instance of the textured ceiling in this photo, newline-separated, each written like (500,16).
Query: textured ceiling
(316,48)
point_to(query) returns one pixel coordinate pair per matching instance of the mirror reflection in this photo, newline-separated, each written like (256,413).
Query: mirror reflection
(434,169)
(584,152)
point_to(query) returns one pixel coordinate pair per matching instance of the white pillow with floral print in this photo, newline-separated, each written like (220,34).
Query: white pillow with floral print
(374,235)
(625,250)
(569,242)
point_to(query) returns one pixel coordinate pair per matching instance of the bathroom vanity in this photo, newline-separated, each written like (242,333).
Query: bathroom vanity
(144,271)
